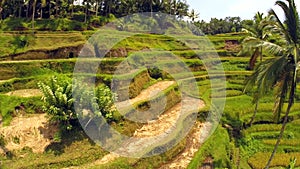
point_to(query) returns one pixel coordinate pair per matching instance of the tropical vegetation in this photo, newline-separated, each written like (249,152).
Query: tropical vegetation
(260,58)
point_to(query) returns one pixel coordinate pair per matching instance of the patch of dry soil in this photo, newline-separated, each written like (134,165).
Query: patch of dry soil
(25,93)
(34,132)
(193,142)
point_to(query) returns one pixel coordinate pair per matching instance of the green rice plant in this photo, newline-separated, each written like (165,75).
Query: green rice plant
(236,81)
(262,128)
(270,135)
(261,117)
(230,86)
(289,142)
(233,93)
(258,160)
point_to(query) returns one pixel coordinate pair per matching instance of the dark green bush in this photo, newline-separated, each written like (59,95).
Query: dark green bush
(60,24)
(14,24)
(78,16)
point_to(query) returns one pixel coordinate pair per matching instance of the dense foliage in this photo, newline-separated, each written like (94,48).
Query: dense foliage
(218,26)
(82,12)
(71,15)
(59,99)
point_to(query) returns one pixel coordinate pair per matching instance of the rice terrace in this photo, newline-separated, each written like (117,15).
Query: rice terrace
(113,84)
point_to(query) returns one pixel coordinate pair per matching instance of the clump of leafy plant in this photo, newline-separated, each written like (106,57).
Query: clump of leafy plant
(59,97)
(59,103)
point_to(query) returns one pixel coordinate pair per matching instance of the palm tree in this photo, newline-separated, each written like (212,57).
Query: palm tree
(193,15)
(42,4)
(33,13)
(72,10)
(182,9)
(291,33)
(281,72)
(20,4)
(56,8)
(257,35)
(34,2)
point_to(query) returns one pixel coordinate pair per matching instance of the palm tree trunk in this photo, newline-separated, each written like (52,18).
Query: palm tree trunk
(261,53)
(254,58)
(56,8)
(41,12)
(151,8)
(97,7)
(170,7)
(49,9)
(20,9)
(27,11)
(86,11)
(72,11)
(109,7)
(14,10)
(1,13)
(33,12)
(254,114)
(290,104)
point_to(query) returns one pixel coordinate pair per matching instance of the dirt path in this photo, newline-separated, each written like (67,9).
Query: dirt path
(193,142)
(33,132)
(25,93)
(161,128)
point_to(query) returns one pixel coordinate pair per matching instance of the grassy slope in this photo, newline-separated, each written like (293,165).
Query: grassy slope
(41,41)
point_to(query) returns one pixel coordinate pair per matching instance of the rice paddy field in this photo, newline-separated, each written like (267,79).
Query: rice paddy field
(232,145)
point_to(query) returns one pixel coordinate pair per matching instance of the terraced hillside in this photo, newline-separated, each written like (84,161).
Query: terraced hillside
(232,145)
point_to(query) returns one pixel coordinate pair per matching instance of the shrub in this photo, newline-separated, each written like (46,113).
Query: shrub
(60,96)
(155,72)
(98,21)
(60,24)
(59,101)
(105,100)
(14,24)
(78,16)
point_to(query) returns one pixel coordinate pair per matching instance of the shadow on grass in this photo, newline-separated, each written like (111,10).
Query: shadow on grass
(67,138)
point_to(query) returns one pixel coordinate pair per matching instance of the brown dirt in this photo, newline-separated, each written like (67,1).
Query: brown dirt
(193,143)
(34,132)
(208,163)
(25,93)
(160,127)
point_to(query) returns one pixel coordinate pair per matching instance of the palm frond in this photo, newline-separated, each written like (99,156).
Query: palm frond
(273,48)
(280,25)
(266,75)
